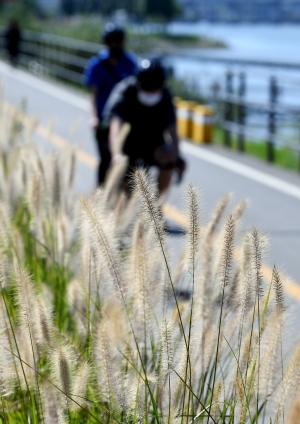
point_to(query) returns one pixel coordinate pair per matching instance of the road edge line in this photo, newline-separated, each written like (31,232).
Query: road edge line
(241,169)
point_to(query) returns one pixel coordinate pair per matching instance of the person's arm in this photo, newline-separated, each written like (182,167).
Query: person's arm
(169,154)
(171,126)
(94,114)
(114,134)
(91,80)
(177,160)
(172,132)
(118,132)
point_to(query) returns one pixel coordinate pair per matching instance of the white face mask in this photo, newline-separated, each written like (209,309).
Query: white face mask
(149,99)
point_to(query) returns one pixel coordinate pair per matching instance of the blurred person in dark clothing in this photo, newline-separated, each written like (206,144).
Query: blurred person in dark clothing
(13,39)
(145,103)
(102,73)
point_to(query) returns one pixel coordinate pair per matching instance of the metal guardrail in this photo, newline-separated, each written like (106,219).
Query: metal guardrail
(235,109)
(243,62)
(46,54)
(65,58)
(67,52)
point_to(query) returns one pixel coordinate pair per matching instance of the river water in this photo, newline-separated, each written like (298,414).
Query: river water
(277,43)
(262,42)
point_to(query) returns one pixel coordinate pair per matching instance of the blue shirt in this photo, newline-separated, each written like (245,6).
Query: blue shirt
(102,75)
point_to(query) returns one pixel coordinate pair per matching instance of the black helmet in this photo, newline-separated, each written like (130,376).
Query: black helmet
(113,33)
(150,74)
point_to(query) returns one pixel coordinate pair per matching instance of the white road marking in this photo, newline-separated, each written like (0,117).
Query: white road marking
(241,169)
(196,151)
(45,87)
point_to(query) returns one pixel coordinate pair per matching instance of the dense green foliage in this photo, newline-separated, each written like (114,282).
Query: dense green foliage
(165,8)
(24,11)
(142,9)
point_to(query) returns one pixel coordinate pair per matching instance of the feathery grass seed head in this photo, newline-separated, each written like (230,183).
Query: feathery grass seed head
(63,370)
(80,386)
(258,243)
(227,252)
(147,194)
(193,229)
(278,290)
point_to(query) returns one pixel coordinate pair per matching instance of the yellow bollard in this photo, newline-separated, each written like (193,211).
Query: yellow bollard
(184,114)
(176,100)
(202,124)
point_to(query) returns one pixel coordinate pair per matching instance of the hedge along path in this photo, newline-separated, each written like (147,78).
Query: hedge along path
(290,286)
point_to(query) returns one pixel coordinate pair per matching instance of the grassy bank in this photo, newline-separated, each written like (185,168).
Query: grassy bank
(284,157)
(91,327)
(90,29)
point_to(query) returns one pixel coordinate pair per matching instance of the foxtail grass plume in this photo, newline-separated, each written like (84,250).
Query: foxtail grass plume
(217,215)
(26,298)
(247,284)
(80,385)
(63,373)
(294,415)
(193,228)
(290,384)
(167,342)
(114,182)
(277,287)
(148,199)
(258,243)
(52,413)
(138,359)
(104,356)
(56,182)
(227,253)
(140,272)
(44,323)
(99,231)
(215,411)
(271,361)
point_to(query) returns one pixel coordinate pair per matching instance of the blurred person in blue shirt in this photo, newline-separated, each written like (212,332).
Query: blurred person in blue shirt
(102,73)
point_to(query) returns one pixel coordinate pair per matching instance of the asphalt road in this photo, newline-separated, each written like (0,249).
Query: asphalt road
(273,194)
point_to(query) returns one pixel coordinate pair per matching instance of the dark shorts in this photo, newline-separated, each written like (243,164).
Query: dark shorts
(145,158)
(141,151)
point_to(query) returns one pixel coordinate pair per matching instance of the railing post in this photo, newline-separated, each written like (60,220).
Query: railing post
(298,151)
(273,95)
(241,111)
(228,109)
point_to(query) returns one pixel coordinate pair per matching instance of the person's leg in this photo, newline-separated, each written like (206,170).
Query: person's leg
(164,180)
(102,141)
(163,155)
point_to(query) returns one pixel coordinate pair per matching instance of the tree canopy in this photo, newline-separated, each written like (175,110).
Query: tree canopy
(163,8)
(158,8)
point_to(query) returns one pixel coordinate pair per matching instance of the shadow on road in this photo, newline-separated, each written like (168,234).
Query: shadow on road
(174,231)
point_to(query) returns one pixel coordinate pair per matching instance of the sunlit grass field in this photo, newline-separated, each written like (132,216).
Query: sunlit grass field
(91,327)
